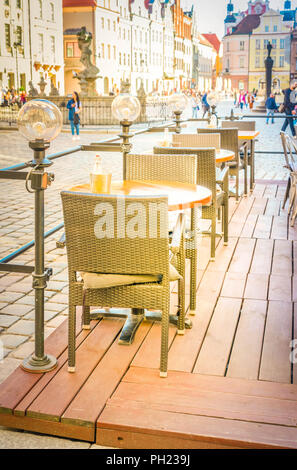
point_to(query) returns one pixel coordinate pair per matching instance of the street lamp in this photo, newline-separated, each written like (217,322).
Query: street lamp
(126,109)
(39,121)
(178,103)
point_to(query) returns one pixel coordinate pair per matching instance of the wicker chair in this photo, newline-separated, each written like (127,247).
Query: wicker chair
(289,146)
(240,125)
(206,176)
(229,141)
(195,140)
(90,253)
(176,168)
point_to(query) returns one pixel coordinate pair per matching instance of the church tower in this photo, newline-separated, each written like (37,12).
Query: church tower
(230,20)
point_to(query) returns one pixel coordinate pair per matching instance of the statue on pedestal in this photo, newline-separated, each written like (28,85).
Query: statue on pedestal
(125,86)
(54,90)
(42,84)
(32,90)
(141,91)
(89,75)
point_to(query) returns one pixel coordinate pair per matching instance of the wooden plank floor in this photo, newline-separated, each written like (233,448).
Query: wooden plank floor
(230,381)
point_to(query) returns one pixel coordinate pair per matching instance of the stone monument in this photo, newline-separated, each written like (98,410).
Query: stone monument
(42,84)
(88,76)
(33,92)
(125,86)
(261,108)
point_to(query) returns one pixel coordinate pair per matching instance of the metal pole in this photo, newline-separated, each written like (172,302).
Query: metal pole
(39,362)
(126,146)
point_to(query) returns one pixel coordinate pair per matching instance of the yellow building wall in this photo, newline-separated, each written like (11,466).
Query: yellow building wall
(272,28)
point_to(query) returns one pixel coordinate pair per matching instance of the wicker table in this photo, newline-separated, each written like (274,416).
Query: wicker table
(250,136)
(180,196)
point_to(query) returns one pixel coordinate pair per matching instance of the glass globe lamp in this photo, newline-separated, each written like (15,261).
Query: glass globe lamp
(177,102)
(125,108)
(40,120)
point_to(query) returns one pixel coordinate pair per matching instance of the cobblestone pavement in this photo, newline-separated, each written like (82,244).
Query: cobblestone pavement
(16,229)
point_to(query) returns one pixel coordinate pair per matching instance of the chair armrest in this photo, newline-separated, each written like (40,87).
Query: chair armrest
(177,235)
(62,242)
(223,176)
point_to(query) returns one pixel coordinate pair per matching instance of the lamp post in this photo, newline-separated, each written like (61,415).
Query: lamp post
(178,103)
(39,121)
(126,108)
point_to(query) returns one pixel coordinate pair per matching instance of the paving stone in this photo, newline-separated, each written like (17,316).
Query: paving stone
(48,315)
(7,367)
(7,320)
(10,296)
(12,341)
(55,322)
(11,439)
(22,327)
(60,298)
(16,309)
(23,351)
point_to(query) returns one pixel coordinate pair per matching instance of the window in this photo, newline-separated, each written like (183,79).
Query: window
(23,80)
(296,64)
(19,35)
(266,29)
(40,43)
(241,45)
(53,48)
(6,2)
(282,43)
(108,51)
(241,62)
(274,43)
(265,43)
(258,43)
(275,28)
(282,61)
(257,62)
(40,8)
(102,51)
(114,52)
(19,5)
(108,25)
(124,34)
(7,35)
(102,22)
(52,8)
(124,59)
(114,25)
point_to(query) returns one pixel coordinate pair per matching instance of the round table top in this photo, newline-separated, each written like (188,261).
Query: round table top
(223,155)
(180,195)
(248,135)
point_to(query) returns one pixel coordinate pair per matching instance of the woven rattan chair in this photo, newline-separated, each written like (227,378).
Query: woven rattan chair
(206,176)
(176,168)
(195,140)
(240,125)
(289,147)
(229,141)
(117,253)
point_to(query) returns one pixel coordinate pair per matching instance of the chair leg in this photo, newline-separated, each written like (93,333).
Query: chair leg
(237,185)
(226,221)
(193,281)
(164,341)
(86,318)
(182,307)
(71,338)
(292,196)
(287,193)
(213,239)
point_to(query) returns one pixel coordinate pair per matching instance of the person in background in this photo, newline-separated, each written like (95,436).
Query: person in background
(241,100)
(271,107)
(289,108)
(251,100)
(195,107)
(205,105)
(74,107)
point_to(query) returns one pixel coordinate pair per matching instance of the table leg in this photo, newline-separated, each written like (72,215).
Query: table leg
(134,318)
(252,178)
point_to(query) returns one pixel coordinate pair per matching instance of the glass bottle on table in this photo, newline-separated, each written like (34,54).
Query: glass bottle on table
(100,180)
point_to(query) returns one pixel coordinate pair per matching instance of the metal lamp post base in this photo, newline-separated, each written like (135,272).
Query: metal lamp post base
(39,366)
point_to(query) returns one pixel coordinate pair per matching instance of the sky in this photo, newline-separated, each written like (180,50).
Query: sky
(211,13)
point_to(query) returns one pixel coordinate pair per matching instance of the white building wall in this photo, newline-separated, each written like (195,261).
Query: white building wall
(41,35)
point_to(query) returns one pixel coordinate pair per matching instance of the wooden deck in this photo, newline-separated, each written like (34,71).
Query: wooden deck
(230,381)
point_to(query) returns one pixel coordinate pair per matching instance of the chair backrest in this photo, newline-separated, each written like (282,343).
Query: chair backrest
(288,146)
(206,164)
(180,168)
(240,125)
(229,138)
(197,140)
(116,234)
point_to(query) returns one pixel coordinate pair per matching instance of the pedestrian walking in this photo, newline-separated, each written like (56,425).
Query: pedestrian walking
(289,108)
(74,107)
(195,107)
(271,108)
(241,100)
(205,105)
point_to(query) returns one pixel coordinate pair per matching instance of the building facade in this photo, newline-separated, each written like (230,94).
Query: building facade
(132,39)
(293,55)
(275,29)
(31,44)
